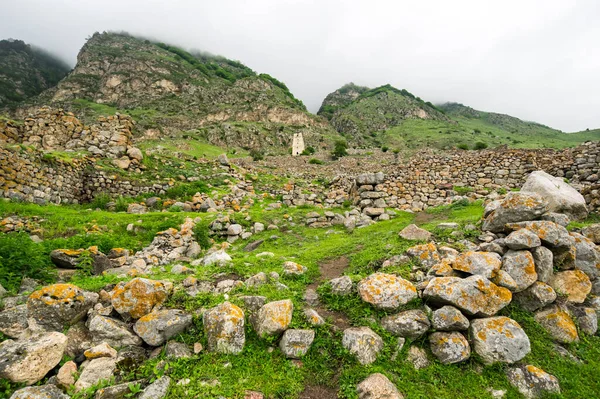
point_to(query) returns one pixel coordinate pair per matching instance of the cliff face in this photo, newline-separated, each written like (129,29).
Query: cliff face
(164,87)
(26,72)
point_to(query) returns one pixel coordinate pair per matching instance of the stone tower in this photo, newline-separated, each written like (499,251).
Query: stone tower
(297,144)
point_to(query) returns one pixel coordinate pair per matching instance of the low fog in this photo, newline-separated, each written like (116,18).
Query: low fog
(537,60)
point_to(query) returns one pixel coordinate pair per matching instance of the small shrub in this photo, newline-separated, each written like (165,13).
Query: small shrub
(175,208)
(122,203)
(385,148)
(315,161)
(308,151)
(256,155)
(462,147)
(340,149)
(100,201)
(480,145)
(20,257)
(201,234)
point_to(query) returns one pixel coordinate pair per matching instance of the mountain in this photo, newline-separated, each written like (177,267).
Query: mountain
(26,71)
(360,113)
(167,89)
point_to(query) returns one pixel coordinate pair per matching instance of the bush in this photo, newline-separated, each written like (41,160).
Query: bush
(315,161)
(462,147)
(340,149)
(256,155)
(480,145)
(100,201)
(308,151)
(185,191)
(385,148)
(20,257)
(201,234)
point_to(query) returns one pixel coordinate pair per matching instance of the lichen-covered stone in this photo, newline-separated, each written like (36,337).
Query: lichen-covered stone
(448,318)
(522,239)
(532,382)
(409,324)
(295,343)
(587,256)
(224,328)
(499,339)
(362,342)
(29,360)
(386,291)
(102,350)
(485,264)
(544,263)
(293,268)
(536,296)
(113,332)
(378,386)
(341,285)
(13,321)
(474,295)
(586,318)
(40,392)
(59,305)
(157,390)
(449,347)
(273,318)
(139,296)
(550,233)
(521,267)
(575,284)
(157,327)
(425,255)
(66,374)
(558,323)
(96,370)
(417,357)
(515,207)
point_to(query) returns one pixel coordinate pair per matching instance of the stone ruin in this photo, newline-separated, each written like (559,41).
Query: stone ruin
(297,144)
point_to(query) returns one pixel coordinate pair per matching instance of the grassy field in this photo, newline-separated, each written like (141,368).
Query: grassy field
(327,365)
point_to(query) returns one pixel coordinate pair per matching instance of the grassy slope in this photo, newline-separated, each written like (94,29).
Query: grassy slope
(327,363)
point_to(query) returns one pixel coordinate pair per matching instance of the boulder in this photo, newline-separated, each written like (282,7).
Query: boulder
(586,318)
(65,258)
(377,386)
(414,233)
(544,263)
(448,318)
(592,232)
(223,160)
(157,327)
(13,321)
(341,285)
(234,230)
(96,370)
(363,343)
(113,332)
(216,258)
(535,297)
(135,153)
(485,264)
(59,305)
(521,267)
(40,392)
(29,360)
(101,350)
(66,374)
(224,328)
(561,197)
(532,382)
(425,255)
(575,284)
(474,295)
(295,343)
(417,357)
(558,323)
(386,291)
(273,318)
(408,324)
(587,256)
(157,390)
(499,339)
(139,296)
(550,233)
(515,207)
(177,350)
(522,239)
(449,347)
(293,268)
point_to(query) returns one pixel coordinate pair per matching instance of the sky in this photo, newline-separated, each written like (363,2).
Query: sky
(538,60)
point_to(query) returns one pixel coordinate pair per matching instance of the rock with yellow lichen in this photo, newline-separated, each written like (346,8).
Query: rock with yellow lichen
(362,342)
(139,296)
(295,343)
(114,332)
(224,328)
(575,284)
(536,296)
(521,267)
(48,391)
(549,233)
(474,295)
(499,340)
(409,324)
(378,386)
(425,255)
(55,306)
(532,382)
(448,318)
(449,347)
(558,323)
(386,291)
(485,264)
(587,256)
(515,207)
(273,318)
(157,327)
(292,268)
(102,350)
(522,239)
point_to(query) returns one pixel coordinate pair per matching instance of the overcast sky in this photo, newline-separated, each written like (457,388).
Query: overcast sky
(537,60)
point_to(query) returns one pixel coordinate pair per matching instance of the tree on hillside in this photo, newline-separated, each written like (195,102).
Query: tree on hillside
(340,149)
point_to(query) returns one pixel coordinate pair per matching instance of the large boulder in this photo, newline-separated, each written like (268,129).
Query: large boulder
(295,343)
(59,305)
(561,197)
(474,295)
(515,207)
(386,291)
(157,327)
(522,239)
(499,340)
(114,332)
(485,264)
(449,347)
(521,267)
(139,296)
(40,392)
(29,360)
(575,284)
(532,382)
(409,324)
(378,386)
(273,318)
(558,323)
(362,342)
(224,328)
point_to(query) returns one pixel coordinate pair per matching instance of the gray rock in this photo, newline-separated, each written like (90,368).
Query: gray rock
(414,233)
(558,323)
(592,232)
(535,297)
(448,318)
(313,317)
(177,350)
(224,328)
(586,318)
(223,160)
(378,386)
(499,339)
(550,233)
(78,340)
(561,197)
(515,207)
(234,229)
(293,269)
(13,321)
(363,343)
(63,259)
(449,347)
(119,391)
(485,264)
(40,392)
(386,291)
(29,360)
(408,324)
(157,327)
(587,256)
(295,343)
(558,218)
(341,285)
(273,318)
(418,357)
(96,370)
(113,332)
(521,267)
(157,390)
(532,382)
(522,239)
(544,263)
